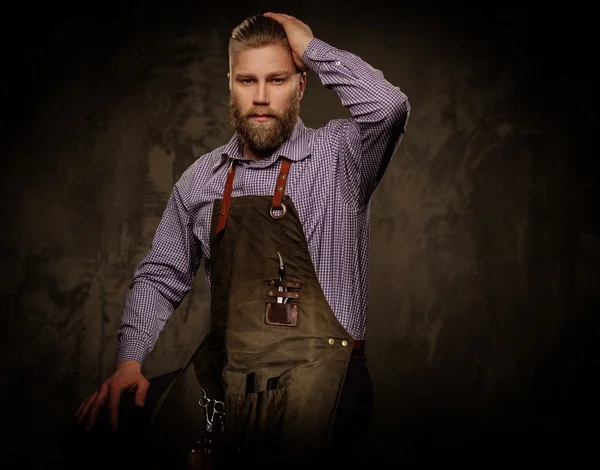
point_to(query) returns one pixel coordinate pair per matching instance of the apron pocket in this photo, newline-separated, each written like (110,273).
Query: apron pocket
(253,421)
(281,314)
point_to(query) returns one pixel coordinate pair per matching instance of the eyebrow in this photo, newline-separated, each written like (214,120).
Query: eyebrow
(278,73)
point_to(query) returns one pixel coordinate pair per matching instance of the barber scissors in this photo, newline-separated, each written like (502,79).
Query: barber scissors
(218,408)
(281,300)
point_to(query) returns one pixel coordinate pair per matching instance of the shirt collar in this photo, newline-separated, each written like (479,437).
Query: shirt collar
(295,148)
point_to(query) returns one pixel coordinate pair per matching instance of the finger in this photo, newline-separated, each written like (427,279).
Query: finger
(83,404)
(114,399)
(88,404)
(276,16)
(288,17)
(83,408)
(282,18)
(96,405)
(141,392)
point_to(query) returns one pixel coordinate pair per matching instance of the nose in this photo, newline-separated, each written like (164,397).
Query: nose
(260,95)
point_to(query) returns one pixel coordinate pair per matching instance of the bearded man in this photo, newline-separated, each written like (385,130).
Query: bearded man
(280,215)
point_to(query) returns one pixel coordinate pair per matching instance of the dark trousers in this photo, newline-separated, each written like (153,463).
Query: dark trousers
(353,412)
(102,448)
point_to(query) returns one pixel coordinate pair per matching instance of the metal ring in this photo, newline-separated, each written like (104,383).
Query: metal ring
(219,407)
(283,211)
(203,402)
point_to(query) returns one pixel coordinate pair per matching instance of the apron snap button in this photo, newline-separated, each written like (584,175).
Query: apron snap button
(344,343)
(331,341)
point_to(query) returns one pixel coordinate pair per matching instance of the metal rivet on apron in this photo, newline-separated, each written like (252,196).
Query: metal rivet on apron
(344,343)
(331,341)
(279,188)
(282,175)
(222,213)
(272,283)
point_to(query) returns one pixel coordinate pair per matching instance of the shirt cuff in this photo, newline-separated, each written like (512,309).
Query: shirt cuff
(317,50)
(132,351)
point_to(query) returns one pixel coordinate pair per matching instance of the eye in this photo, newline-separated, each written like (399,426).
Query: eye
(279,80)
(246,80)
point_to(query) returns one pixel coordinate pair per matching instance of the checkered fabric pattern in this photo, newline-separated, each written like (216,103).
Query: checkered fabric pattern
(334,172)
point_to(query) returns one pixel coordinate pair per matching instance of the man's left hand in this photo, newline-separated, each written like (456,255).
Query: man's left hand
(299,36)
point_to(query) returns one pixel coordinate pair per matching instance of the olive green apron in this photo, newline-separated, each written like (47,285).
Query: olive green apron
(300,341)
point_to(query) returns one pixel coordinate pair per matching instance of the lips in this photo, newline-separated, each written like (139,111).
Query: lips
(261,117)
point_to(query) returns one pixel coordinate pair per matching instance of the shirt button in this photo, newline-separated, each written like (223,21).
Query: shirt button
(337,62)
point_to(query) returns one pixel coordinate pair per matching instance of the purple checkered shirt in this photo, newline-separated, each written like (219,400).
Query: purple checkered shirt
(334,172)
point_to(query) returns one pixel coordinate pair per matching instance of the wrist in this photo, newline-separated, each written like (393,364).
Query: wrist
(129,365)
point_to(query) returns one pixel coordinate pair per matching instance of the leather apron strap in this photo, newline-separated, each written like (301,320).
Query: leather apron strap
(277,195)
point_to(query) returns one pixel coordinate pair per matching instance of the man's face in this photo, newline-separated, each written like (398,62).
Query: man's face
(264,100)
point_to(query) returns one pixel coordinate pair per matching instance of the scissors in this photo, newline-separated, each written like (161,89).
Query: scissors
(281,300)
(218,408)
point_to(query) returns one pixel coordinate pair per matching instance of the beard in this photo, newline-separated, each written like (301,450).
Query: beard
(263,138)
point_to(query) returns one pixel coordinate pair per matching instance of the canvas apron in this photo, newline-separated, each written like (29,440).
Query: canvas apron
(301,341)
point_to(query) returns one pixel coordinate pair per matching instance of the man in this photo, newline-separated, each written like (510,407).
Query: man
(281,216)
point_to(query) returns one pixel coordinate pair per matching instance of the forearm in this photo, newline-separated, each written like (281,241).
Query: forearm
(145,313)
(369,97)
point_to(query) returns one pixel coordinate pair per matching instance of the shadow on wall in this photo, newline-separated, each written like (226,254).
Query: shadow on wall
(481,281)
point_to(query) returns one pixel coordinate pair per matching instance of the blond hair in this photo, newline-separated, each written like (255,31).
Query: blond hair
(257,31)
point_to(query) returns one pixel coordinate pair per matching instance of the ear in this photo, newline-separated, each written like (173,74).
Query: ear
(229,80)
(302,85)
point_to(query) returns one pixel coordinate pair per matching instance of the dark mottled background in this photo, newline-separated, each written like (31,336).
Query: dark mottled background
(484,264)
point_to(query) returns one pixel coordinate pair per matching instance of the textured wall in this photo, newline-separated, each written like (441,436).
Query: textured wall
(484,250)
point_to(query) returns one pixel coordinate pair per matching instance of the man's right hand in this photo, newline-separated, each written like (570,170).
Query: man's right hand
(127,377)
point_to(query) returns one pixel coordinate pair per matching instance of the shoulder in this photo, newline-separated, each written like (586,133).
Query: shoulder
(198,172)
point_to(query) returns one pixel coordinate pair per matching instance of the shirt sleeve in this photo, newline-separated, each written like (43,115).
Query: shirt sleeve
(379,110)
(162,279)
